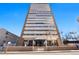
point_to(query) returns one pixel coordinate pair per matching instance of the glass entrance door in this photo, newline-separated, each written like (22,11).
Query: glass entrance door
(39,42)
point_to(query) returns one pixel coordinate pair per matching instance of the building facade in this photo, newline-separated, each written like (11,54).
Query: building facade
(7,38)
(40,28)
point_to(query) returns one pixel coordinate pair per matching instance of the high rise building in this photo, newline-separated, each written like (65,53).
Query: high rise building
(40,28)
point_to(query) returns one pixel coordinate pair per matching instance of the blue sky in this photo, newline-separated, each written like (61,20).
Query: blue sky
(12,16)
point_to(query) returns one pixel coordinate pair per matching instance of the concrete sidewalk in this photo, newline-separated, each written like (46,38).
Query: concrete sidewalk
(60,52)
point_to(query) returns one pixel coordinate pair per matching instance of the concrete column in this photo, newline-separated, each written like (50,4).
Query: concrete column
(46,43)
(33,45)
